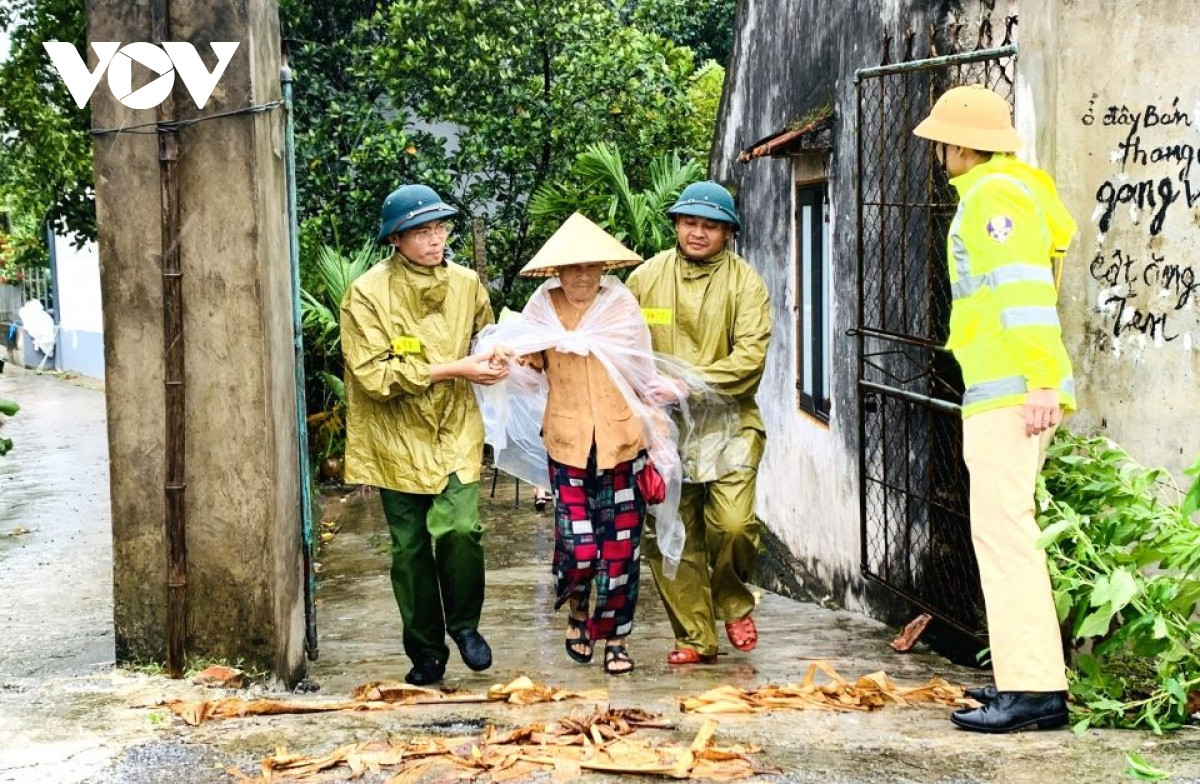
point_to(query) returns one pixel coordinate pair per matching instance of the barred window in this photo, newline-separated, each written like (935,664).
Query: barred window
(813,337)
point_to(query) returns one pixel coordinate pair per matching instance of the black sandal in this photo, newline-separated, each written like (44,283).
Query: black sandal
(614,655)
(571,642)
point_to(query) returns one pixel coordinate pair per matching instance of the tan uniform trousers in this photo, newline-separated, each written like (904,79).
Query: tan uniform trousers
(719,555)
(1026,646)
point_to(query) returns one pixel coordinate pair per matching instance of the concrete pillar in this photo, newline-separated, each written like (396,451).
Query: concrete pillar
(244,582)
(1107,91)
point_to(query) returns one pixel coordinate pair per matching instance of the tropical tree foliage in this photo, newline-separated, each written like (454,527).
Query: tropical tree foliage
(352,146)
(45,150)
(706,28)
(525,86)
(320,307)
(599,187)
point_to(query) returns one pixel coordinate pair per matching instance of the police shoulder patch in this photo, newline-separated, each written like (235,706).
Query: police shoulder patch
(1000,228)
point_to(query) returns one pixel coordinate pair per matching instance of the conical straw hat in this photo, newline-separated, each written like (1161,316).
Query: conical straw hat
(579,241)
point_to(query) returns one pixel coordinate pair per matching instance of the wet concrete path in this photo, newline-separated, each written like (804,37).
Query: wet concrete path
(68,717)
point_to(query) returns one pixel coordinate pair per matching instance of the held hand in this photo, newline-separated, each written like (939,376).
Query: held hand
(665,391)
(501,355)
(1042,411)
(482,369)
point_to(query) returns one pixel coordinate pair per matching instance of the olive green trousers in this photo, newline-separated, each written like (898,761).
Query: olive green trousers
(437,564)
(719,555)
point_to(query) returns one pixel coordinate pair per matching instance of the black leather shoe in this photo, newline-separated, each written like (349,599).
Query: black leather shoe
(425,672)
(983,694)
(475,651)
(1015,710)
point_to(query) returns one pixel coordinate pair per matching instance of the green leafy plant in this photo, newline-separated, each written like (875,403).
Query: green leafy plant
(1191,504)
(1137,767)
(523,87)
(332,274)
(599,187)
(7,408)
(328,427)
(1124,560)
(320,307)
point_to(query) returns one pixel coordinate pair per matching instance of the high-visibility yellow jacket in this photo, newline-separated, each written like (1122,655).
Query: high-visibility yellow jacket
(1004,327)
(715,315)
(402,431)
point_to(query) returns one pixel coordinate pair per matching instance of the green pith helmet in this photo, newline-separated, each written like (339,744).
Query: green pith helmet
(706,200)
(409,206)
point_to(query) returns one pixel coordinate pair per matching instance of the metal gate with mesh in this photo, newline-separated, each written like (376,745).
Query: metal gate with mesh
(915,515)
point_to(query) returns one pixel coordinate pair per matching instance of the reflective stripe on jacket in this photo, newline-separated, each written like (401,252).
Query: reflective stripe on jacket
(402,431)
(1004,327)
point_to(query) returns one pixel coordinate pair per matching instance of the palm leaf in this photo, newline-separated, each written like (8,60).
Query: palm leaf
(335,385)
(319,320)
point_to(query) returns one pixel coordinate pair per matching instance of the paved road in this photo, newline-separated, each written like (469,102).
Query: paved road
(67,716)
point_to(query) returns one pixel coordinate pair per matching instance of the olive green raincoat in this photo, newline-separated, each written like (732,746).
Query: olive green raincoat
(715,315)
(404,433)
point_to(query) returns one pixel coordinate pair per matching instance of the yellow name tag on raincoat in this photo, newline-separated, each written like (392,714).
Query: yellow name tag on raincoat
(406,344)
(658,317)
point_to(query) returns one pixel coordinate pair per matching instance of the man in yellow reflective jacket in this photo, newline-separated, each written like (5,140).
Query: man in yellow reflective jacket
(707,306)
(1005,334)
(413,428)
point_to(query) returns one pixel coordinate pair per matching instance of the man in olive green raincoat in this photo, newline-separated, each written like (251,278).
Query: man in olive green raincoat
(413,428)
(708,307)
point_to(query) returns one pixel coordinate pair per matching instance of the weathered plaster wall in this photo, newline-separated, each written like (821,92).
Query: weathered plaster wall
(790,57)
(243,528)
(1116,107)
(786,62)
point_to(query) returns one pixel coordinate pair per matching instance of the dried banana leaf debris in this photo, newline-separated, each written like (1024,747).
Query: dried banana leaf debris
(868,693)
(378,695)
(602,742)
(524,691)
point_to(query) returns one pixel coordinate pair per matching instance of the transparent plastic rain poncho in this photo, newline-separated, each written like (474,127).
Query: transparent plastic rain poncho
(693,439)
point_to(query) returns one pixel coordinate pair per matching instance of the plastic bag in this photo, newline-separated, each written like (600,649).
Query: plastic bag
(39,325)
(703,426)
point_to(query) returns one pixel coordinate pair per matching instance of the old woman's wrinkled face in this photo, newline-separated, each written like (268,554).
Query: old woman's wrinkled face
(581,282)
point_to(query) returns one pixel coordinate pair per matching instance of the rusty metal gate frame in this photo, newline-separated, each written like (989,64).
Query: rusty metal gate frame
(915,520)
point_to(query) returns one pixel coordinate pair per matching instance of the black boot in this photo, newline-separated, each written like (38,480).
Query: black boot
(983,694)
(1015,710)
(425,671)
(475,651)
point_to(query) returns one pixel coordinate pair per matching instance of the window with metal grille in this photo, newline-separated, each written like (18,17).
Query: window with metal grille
(813,338)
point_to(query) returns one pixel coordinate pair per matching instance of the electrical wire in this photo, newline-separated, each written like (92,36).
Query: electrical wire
(165,126)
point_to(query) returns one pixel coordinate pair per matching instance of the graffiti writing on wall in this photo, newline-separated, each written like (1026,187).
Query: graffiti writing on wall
(1147,215)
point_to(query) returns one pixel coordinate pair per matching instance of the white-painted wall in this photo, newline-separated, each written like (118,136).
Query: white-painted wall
(78,286)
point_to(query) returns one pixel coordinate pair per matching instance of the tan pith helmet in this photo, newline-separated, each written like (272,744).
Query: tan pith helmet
(579,241)
(973,117)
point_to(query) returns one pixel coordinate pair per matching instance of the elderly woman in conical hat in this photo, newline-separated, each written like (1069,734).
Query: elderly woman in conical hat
(599,371)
